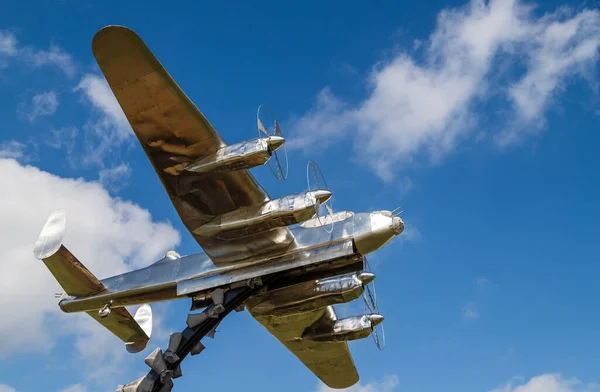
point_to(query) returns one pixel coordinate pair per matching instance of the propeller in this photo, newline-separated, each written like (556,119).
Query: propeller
(323,211)
(276,141)
(370,300)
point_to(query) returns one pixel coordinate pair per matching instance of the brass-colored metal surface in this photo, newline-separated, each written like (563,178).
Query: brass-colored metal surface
(73,276)
(68,271)
(330,361)
(121,323)
(172,130)
(308,296)
(243,232)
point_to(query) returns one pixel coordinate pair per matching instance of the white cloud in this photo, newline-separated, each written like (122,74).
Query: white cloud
(6,388)
(548,383)
(12,149)
(116,178)
(35,57)
(429,106)
(108,235)
(54,56)
(564,48)
(388,384)
(43,104)
(75,388)
(110,128)
(410,233)
(65,138)
(8,43)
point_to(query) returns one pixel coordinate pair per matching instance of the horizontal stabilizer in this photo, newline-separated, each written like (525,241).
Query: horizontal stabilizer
(134,331)
(73,277)
(78,281)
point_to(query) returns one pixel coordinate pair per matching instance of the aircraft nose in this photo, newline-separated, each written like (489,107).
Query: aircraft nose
(397,225)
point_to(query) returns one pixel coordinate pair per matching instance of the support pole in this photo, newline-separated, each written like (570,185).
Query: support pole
(190,341)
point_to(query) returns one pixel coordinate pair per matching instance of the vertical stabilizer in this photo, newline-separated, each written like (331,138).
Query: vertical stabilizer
(73,277)
(78,281)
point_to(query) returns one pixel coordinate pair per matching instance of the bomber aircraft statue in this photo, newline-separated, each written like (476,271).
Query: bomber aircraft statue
(278,258)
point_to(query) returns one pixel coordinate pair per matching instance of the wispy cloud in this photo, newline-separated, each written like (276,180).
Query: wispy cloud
(548,383)
(109,129)
(8,43)
(12,150)
(65,138)
(43,104)
(75,388)
(115,178)
(62,137)
(428,107)
(470,310)
(35,57)
(388,384)
(6,388)
(54,56)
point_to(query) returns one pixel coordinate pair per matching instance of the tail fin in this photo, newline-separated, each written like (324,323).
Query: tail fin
(78,281)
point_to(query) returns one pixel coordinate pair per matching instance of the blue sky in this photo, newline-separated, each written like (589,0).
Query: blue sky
(479,118)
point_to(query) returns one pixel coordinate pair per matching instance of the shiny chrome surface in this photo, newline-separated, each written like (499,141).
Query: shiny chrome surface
(77,280)
(350,328)
(244,155)
(311,295)
(72,276)
(275,142)
(328,219)
(143,318)
(142,384)
(244,234)
(172,130)
(330,361)
(246,221)
(172,278)
(375,230)
(125,327)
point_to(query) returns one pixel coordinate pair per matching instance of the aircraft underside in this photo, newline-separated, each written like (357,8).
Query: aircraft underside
(283,259)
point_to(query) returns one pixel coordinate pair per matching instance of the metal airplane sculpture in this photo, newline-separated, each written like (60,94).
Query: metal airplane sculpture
(278,258)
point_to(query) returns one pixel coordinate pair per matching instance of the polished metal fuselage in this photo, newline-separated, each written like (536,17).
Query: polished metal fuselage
(314,249)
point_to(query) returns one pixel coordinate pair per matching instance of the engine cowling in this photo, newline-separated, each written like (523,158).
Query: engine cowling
(246,221)
(350,328)
(311,295)
(244,155)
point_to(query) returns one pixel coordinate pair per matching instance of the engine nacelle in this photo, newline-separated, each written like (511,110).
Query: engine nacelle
(244,155)
(311,295)
(351,328)
(258,218)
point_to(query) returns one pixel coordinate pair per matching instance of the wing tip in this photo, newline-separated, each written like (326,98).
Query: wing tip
(107,34)
(344,383)
(143,317)
(51,237)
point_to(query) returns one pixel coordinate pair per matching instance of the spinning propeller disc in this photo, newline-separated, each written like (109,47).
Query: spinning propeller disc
(370,299)
(279,171)
(323,211)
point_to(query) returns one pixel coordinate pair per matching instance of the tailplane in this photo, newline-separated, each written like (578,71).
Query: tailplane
(77,281)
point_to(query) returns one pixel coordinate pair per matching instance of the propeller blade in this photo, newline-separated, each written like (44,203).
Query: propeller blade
(261,127)
(277,129)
